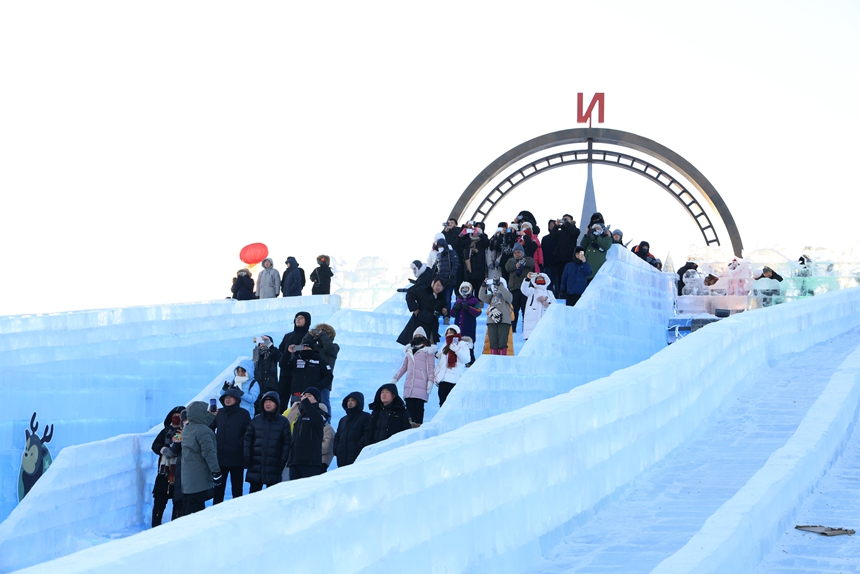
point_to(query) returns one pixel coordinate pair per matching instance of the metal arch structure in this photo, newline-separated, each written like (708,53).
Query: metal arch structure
(606,157)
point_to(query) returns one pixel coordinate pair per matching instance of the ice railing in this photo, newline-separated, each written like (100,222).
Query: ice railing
(491,495)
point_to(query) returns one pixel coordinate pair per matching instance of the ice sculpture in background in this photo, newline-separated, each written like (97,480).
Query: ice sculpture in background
(368,284)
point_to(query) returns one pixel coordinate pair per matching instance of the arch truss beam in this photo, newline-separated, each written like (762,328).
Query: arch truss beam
(670,183)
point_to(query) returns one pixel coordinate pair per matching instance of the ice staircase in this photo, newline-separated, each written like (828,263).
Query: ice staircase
(99,374)
(756,408)
(61,509)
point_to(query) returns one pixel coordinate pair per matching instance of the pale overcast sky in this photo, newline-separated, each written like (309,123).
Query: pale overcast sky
(143,144)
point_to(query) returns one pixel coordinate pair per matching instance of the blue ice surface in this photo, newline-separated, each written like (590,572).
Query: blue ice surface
(98,374)
(500,494)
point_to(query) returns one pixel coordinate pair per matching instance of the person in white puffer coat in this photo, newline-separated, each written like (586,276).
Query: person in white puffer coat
(419,365)
(268,281)
(538,299)
(452,361)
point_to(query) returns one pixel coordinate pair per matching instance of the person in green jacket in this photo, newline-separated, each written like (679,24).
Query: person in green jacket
(518,267)
(200,470)
(596,243)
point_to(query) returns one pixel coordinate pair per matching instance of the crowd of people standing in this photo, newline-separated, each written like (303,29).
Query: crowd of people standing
(270,283)
(274,420)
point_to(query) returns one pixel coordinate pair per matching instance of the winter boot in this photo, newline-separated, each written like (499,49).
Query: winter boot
(503,351)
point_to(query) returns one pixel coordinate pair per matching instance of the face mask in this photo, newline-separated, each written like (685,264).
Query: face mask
(417,341)
(440,249)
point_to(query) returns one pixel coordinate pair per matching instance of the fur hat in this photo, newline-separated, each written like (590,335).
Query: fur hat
(464,284)
(329,330)
(324,259)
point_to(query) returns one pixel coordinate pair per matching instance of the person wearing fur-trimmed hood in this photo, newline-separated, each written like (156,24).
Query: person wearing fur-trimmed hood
(268,281)
(419,363)
(465,311)
(538,300)
(453,358)
(243,286)
(321,276)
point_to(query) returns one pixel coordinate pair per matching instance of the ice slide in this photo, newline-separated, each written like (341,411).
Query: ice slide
(61,507)
(502,494)
(620,321)
(507,509)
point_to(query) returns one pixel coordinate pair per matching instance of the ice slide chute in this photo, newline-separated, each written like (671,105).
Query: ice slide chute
(488,496)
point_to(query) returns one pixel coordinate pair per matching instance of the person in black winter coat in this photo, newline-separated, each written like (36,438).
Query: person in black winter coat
(293,279)
(353,430)
(426,305)
(308,369)
(526,216)
(301,326)
(243,286)
(267,444)
(548,243)
(168,450)
(308,433)
(321,276)
(471,247)
(388,414)
(230,425)
(566,241)
(266,359)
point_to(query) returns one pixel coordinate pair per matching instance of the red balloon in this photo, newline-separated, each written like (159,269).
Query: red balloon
(254,253)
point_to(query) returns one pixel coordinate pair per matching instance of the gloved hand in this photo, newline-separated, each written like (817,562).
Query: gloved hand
(225,386)
(217,478)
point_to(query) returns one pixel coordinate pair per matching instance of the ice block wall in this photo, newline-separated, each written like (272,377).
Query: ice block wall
(98,374)
(93,492)
(486,496)
(619,321)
